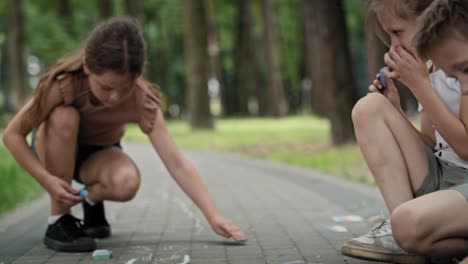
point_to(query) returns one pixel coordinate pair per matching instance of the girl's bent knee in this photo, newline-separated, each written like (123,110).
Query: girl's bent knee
(64,121)
(409,229)
(370,106)
(125,185)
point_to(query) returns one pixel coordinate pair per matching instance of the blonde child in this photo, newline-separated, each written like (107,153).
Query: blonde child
(78,116)
(422,175)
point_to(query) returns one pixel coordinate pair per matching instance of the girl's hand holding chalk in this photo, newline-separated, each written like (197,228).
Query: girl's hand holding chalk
(84,193)
(382,78)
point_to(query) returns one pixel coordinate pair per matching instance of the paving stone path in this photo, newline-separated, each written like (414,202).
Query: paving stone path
(286,212)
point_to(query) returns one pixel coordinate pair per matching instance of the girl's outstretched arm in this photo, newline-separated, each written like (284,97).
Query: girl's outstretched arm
(188,179)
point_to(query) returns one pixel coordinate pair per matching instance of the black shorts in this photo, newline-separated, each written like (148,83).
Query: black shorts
(83,153)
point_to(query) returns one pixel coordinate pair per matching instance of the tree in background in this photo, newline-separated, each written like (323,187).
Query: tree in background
(104,8)
(312,66)
(195,32)
(240,30)
(277,105)
(18,55)
(65,12)
(237,100)
(134,9)
(216,65)
(5,66)
(335,74)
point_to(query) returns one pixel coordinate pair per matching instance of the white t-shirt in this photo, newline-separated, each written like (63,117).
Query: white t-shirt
(448,89)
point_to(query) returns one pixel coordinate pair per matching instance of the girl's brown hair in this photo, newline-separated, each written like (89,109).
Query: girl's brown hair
(405,9)
(442,17)
(115,45)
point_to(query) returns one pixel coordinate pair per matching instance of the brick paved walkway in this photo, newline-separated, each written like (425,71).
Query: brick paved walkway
(286,212)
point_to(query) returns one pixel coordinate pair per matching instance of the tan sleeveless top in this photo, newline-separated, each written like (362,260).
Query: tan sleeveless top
(103,125)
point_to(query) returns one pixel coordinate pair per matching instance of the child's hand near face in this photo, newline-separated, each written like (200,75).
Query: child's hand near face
(407,68)
(227,229)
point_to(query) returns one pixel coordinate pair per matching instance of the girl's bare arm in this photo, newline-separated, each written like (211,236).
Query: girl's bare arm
(183,172)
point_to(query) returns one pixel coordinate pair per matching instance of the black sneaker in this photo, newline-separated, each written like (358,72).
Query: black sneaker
(95,223)
(67,235)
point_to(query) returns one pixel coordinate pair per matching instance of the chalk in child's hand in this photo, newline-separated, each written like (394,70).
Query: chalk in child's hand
(382,78)
(84,193)
(102,254)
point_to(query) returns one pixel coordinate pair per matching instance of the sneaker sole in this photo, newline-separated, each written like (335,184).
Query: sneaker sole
(98,232)
(67,247)
(361,253)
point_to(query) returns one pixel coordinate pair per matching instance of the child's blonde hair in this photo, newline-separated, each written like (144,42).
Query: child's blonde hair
(442,17)
(405,9)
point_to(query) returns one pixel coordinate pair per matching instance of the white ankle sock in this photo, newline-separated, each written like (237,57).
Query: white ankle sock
(90,202)
(54,218)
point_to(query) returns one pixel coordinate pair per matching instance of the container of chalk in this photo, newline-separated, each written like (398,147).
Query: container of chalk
(102,254)
(84,193)
(382,78)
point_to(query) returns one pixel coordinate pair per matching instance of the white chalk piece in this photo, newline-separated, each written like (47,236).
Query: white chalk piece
(102,254)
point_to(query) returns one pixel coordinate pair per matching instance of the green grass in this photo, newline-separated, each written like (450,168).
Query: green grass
(301,141)
(16,185)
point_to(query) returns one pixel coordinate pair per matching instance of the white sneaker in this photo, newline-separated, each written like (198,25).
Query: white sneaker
(379,245)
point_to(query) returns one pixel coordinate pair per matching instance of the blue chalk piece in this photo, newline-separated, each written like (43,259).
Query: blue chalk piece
(382,78)
(84,193)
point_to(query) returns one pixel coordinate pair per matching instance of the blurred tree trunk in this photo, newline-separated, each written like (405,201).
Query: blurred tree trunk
(5,74)
(312,67)
(159,61)
(195,40)
(213,47)
(18,56)
(277,104)
(335,74)
(65,12)
(134,9)
(243,70)
(259,83)
(104,8)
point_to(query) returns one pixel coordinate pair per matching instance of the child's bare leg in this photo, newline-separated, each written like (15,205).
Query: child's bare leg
(393,151)
(56,147)
(110,175)
(434,224)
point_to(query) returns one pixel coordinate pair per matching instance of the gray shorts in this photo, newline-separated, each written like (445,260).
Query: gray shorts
(442,176)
